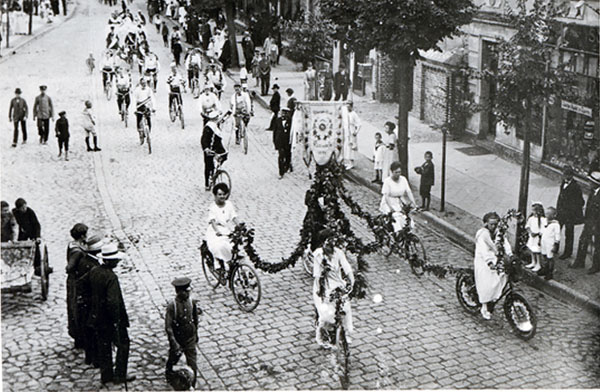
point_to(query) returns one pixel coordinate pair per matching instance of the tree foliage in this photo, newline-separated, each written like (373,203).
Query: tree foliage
(525,74)
(396,27)
(308,39)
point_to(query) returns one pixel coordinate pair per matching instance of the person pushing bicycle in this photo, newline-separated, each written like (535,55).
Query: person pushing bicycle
(331,271)
(145,104)
(241,107)
(176,84)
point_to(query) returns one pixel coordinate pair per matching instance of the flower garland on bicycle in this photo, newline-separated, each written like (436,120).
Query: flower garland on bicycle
(123,83)
(241,107)
(222,219)
(212,145)
(145,105)
(396,193)
(176,84)
(331,271)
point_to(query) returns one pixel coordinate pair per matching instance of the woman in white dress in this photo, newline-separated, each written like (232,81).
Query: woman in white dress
(396,192)
(222,219)
(331,265)
(390,151)
(488,282)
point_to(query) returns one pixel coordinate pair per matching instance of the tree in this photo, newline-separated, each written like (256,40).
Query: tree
(308,38)
(526,76)
(399,29)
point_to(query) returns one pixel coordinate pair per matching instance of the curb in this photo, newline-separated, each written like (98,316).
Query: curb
(551,287)
(35,37)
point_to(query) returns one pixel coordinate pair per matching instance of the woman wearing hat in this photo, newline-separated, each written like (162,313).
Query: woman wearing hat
(212,145)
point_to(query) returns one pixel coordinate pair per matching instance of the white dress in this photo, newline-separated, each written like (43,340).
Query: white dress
(550,236)
(378,156)
(489,283)
(220,246)
(398,192)
(350,138)
(325,308)
(389,155)
(534,243)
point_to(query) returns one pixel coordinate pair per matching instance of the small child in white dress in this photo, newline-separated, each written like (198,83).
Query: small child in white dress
(378,158)
(535,224)
(550,243)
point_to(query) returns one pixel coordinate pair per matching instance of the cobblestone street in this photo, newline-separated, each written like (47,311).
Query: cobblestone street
(417,337)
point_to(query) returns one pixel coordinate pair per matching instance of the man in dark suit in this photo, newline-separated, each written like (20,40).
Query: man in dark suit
(282,142)
(569,208)
(108,317)
(275,105)
(341,83)
(17,113)
(248,49)
(591,228)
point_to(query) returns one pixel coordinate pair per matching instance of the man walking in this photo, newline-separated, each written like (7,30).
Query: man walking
(248,50)
(264,73)
(341,83)
(17,113)
(274,105)
(591,228)
(108,317)
(281,141)
(569,208)
(43,111)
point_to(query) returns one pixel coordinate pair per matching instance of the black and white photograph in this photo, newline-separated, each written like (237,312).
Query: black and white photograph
(309,195)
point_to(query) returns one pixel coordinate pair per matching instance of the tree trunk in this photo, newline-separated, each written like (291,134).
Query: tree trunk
(524,182)
(230,15)
(405,68)
(30,27)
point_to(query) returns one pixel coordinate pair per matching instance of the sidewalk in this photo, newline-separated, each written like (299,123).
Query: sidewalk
(477,181)
(39,27)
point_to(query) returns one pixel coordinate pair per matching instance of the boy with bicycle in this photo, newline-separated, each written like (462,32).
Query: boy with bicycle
(241,107)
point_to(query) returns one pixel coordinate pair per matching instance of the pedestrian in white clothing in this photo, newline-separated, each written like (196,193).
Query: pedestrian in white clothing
(89,125)
(350,138)
(396,194)
(535,223)
(550,243)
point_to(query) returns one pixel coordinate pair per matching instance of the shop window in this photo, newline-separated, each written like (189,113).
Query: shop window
(579,63)
(592,69)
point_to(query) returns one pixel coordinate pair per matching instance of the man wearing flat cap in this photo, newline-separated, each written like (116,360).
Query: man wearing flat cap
(181,325)
(108,317)
(43,111)
(17,113)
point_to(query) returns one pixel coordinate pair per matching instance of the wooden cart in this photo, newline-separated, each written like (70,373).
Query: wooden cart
(18,266)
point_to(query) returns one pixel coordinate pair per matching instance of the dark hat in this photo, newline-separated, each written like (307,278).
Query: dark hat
(289,91)
(17,91)
(62,113)
(181,283)
(236,84)
(43,87)
(275,86)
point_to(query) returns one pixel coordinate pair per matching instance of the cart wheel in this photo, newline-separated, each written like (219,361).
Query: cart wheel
(44,276)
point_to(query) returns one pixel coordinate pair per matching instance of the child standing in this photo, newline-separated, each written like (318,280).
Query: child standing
(550,243)
(378,158)
(89,124)
(427,173)
(181,324)
(62,134)
(535,223)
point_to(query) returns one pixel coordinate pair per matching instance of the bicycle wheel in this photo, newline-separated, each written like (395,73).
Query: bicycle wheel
(222,176)
(342,356)
(124,114)
(44,274)
(208,267)
(244,132)
(415,254)
(520,315)
(181,117)
(467,293)
(147,133)
(245,287)
(107,91)
(308,261)
(172,111)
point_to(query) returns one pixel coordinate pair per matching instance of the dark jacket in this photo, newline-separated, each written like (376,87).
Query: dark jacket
(211,141)
(62,128)
(264,67)
(275,103)
(281,134)
(341,83)
(29,226)
(592,211)
(107,312)
(9,227)
(248,48)
(427,174)
(569,206)
(18,109)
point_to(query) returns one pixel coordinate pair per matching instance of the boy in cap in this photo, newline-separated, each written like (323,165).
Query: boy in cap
(62,134)
(17,113)
(181,325)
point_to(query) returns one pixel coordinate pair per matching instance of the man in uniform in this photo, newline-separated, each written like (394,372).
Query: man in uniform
(108,317)
(181,325)
(43,111)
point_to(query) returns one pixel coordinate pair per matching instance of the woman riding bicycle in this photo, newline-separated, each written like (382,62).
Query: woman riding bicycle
(396,193)
(489,282)
(212,145)
(331,271)
(222,219)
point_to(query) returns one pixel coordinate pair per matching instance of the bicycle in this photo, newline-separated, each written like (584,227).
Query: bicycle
(176,110)
(146,129)
(404,242)
(219,175)
(123,109)
(152,79)
(517,310)
(240,121)
(195,83)
(335,334)
(108,82)
(241,278)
